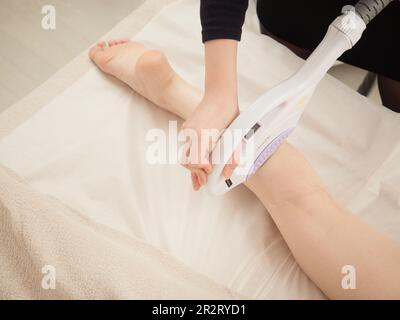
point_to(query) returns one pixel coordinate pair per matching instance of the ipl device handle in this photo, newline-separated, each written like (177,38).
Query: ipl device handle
(266,123)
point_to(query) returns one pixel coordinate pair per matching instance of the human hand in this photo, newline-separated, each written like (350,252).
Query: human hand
(202,131)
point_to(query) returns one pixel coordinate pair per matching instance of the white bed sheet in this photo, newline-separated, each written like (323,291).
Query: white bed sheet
(87,148)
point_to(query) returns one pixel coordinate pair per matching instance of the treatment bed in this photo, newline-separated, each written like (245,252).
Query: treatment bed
(78,144)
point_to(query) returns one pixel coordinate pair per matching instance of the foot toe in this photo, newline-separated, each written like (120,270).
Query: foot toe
(100,46)
(93,50)
(122,40)
(112,42)
(100,55)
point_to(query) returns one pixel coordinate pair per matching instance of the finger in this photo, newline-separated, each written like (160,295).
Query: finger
(214,136)
(184,159)
(198,159)
(199,150)
(207,167)
(195,181)
(232,163)
(207,171)
(228,170)
(202,177)
(199,178)
(198,156)
(198,144)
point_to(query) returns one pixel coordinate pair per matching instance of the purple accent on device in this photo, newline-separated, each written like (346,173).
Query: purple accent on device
(268,151)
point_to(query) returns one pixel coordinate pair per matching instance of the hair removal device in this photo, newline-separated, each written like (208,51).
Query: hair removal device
(266,124)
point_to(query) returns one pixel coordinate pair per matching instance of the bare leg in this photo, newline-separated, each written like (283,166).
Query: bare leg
(322,234)
(148,73)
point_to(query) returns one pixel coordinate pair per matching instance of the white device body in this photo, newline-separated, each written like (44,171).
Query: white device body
(265,124)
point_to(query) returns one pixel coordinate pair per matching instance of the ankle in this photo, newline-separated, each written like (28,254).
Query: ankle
(155,74)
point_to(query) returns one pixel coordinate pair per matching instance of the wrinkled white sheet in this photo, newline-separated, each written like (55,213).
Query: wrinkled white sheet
(87,148)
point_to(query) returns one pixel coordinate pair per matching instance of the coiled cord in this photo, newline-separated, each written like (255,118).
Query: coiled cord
(369,9)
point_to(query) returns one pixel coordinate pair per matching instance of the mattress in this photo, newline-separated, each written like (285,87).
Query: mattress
(87,148)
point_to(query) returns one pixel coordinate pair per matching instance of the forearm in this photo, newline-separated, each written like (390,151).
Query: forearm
(322,234)
(221,72)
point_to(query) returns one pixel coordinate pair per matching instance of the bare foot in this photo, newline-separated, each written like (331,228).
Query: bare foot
(149,74)
(145,71)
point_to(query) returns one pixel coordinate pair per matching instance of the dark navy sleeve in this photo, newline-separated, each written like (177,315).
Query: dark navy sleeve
(222,19)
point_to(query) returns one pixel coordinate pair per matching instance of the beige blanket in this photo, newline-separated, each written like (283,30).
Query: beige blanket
(40,259)
(39,236)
